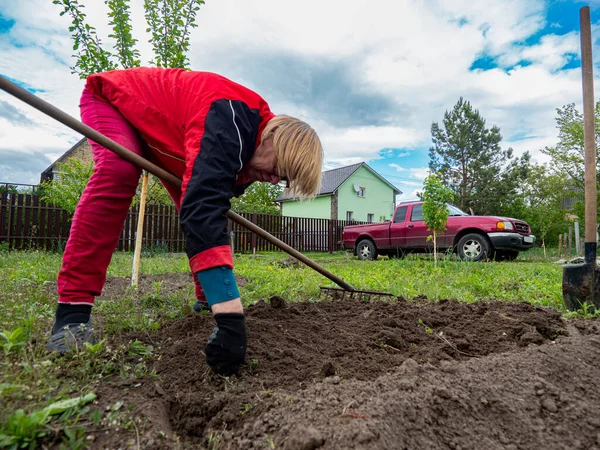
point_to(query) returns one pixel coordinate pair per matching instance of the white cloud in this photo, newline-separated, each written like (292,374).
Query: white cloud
(416,54)
(419,173)
(397,167)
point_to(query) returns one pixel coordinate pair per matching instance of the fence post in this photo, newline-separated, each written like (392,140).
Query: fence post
(11,198)
(330,236)
(231,240)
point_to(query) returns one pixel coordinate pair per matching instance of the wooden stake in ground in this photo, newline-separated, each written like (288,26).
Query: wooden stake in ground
(559,246)
(139,233)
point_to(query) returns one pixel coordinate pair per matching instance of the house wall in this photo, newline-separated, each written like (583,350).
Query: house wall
(83,153)
(318,208)
(378,199)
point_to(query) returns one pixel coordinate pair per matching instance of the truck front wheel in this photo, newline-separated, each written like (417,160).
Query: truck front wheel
(366,250)
(473,247)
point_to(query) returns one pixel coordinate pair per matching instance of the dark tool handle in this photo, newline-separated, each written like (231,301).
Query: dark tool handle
(587,71)
(128,155)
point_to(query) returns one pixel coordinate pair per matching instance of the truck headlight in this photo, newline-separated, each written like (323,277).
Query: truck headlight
(508,226)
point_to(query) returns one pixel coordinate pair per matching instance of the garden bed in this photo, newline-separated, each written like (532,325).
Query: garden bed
(378,375)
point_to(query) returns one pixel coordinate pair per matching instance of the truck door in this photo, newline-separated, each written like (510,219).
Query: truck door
(398,228)
(416,230)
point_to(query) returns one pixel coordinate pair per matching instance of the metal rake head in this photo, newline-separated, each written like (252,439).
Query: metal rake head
(342,294)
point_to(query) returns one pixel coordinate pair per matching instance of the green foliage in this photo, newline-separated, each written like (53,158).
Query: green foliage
(156,194)
(567,157)
(540,203)
(23,430)
(119,16)
(468,157)
(9,189)
(12,340)
(66,190)
(259,198)
(435,211)
(170,23)
(90,56)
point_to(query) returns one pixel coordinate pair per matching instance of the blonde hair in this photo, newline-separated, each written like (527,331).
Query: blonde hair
(299,154)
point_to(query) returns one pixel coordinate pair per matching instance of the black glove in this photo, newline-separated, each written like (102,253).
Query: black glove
(226,347)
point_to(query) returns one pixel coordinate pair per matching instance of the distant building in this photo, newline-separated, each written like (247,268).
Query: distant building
(81,150)
(353,192)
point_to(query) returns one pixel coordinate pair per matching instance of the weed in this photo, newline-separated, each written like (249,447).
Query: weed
(252,366)
(93,349)
(74,439)
(246,407)
(213,441)
(269,442)
(427,329)
(138,349)
(23,430)
(12,340)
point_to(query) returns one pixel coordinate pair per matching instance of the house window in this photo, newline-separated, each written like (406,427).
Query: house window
(361,192)
(349,215)
(370,218)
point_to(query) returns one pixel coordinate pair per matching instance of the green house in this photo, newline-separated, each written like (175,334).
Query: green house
(353,192)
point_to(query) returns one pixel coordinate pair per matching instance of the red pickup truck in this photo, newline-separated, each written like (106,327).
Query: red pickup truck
(474,238)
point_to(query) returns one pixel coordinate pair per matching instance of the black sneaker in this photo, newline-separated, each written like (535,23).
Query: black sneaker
(201,307)
(70,337)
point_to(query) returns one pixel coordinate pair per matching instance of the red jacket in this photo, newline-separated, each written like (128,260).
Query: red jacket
(201,127)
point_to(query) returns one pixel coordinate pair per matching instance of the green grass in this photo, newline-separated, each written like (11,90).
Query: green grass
(31,380)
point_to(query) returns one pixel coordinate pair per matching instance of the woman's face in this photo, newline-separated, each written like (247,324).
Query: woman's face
(263,164)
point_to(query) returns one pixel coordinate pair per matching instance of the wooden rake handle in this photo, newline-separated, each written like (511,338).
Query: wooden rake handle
(128,155)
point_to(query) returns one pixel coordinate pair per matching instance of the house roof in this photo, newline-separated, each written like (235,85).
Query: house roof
(64,155)
(332,179)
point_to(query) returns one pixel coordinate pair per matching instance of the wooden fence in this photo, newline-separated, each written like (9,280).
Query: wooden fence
(26,222)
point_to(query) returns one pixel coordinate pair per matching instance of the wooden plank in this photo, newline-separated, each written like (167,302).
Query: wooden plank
(170,219)
(9,225)
(128,231)
(66,228)
(27,222)
(35,217)
(43,229)
(57,213)
(160,220)
(18,230)
(3,215)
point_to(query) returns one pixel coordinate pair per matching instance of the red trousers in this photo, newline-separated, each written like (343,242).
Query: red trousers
(103,207)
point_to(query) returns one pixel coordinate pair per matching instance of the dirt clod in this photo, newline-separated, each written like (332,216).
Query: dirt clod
(277,302)
(328,369)
(308,438)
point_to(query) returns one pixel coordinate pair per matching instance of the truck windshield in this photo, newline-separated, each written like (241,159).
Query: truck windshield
(454,211)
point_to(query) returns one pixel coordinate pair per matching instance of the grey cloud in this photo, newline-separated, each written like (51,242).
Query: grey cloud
(324,86)
(22,167)
(12,114)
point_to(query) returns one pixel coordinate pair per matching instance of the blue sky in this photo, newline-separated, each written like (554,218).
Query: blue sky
(370,79)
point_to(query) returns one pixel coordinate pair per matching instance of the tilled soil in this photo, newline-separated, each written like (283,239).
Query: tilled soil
(342,374)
